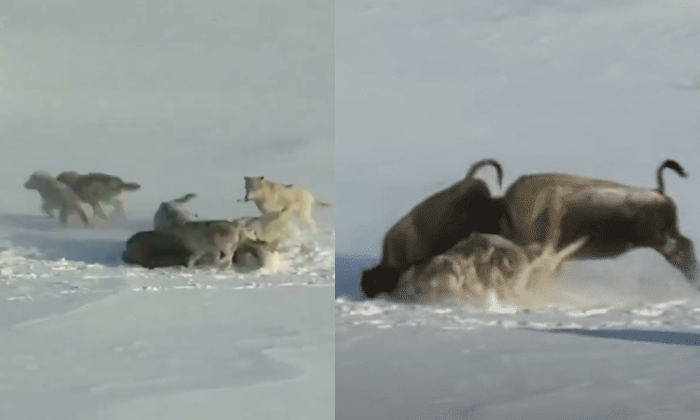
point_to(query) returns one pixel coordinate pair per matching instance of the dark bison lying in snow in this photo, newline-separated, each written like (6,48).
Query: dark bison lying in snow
(614,218)
(153,249)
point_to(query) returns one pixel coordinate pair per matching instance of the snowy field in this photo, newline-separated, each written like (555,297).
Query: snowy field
(180,97)
(597,88)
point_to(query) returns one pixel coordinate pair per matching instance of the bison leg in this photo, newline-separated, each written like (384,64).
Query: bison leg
(379,279)
(680,252)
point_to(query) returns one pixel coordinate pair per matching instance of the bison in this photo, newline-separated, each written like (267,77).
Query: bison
(615,217)
(434,226)
(153,249)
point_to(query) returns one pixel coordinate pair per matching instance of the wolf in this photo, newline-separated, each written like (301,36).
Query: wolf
(258,250)
(172,213)
(488,262)
(96,187)
(273,227)
(56,195)
(483,263)
(271,196)
(216,238)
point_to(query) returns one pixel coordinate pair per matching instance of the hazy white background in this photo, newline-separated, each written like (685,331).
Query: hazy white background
(179,96)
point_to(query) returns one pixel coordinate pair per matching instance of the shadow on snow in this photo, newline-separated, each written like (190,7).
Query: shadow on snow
(664,337)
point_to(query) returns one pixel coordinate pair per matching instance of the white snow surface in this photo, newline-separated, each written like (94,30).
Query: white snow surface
(179,96)
(595,88)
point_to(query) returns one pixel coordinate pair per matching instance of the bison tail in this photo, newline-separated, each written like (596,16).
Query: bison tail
(671,164)
(480,164)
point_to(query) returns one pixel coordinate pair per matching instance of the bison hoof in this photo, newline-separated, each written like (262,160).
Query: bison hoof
(369,288)
(379,280)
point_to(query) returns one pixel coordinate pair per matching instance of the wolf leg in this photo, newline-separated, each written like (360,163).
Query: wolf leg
(305,215)
(98,211)
(81,213)
(192,261)
(47,209)
(118,213)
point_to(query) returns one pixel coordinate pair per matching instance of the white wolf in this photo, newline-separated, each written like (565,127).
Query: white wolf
(271,196)
(274,227)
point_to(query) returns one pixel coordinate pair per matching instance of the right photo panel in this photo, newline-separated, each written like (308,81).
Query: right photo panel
(518,185)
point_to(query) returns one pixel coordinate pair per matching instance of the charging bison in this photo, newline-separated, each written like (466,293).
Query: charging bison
(614,218)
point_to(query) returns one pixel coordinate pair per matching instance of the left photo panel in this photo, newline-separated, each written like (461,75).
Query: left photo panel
(167,227)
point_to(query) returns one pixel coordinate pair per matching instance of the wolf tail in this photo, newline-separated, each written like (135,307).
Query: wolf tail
(324,204)
(185,198)
(130,186)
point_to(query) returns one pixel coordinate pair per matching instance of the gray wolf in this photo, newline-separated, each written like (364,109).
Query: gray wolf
(487,262)
(217,238)
(274,227)
(96,187)
(271,196)
(615,217)
(172,213)
(479,264)
(435,225)
(56,195)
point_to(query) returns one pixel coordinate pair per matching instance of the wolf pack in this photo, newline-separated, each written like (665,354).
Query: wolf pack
(462,241)
(180,237)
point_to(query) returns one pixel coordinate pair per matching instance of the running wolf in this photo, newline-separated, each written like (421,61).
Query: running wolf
(56,195)
(96,187)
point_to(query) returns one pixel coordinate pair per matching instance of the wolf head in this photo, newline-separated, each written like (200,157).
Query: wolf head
(35,179)
(253,187)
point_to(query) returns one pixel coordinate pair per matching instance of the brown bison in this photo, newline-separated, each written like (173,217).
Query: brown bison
(153,249)
(434,226)
(615,217)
